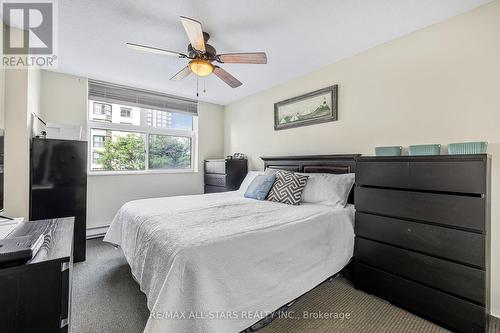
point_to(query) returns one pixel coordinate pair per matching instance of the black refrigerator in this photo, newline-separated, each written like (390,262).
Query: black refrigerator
(58,185)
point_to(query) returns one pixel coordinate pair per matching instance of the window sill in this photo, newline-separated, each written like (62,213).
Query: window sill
(142,172)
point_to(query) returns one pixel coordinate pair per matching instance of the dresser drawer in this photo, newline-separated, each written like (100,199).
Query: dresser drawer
(383,173)
(218,189)
(461,280)
(215,166)
(454,210)
(215,179)
(447,310)
(460,176)
(462,246)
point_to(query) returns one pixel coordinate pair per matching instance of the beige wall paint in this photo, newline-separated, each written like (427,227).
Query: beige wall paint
(34,102)
(438,85)
(19,99)
(16,182)
(64,100)
(2,97)
(22,98)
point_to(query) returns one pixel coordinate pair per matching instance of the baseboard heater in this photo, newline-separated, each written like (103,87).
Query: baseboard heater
(96,232)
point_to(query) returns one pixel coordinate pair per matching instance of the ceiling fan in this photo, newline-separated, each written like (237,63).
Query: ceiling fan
(202,55)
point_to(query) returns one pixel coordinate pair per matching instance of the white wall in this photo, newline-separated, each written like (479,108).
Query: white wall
(438,85)
(64,100)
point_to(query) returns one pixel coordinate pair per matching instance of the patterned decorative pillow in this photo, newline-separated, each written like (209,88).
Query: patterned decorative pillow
(287,188)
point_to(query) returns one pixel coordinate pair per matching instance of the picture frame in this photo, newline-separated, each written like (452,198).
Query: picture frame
(316,107)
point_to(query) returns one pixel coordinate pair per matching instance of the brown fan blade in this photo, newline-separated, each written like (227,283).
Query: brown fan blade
(226,77)
(155,50)
(183,73)
(194,33)
(243,58)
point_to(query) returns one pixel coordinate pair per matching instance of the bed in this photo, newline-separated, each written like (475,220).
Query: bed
(221,262)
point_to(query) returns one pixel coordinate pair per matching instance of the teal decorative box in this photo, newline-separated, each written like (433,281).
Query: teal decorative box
(417,150)
(467,148)
(388,151)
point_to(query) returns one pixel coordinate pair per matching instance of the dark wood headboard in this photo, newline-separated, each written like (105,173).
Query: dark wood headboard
(337,164)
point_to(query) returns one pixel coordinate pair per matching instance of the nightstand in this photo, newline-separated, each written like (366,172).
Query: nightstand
(222,175)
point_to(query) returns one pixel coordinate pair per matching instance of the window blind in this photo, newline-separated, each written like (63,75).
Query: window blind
(112,93)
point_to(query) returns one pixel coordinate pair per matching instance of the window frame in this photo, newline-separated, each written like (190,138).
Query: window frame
(146,130)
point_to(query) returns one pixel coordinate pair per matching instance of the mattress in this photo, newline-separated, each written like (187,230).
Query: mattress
(221,262)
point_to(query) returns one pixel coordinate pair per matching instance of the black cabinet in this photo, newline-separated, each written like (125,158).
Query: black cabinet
(422,235)
(58,185)
(224,175)
(36,296)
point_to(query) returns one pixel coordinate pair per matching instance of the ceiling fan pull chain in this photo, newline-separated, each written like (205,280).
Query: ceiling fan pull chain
(197,85)
(204,86)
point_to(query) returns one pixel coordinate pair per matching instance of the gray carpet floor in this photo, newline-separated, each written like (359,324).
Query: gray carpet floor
(107,299)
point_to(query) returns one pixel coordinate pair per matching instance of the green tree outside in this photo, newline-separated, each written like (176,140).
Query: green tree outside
(169,152)
(128,153)
(124,153)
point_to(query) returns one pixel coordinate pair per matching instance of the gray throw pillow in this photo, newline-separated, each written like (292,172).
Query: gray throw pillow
(260,187)
(287,188)
(328,189)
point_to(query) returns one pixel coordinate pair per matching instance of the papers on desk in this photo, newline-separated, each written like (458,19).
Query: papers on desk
(6,226)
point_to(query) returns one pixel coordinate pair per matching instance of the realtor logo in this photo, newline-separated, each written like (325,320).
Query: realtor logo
(28,33)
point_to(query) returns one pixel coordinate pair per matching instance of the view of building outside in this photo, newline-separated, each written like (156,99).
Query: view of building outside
(116,113)
(114,150)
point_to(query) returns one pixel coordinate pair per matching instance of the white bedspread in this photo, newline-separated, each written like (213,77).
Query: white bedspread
(220,262)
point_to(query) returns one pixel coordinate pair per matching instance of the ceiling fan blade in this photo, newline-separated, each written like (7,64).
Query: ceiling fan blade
(183,73)
(155,50)
(243,58)
(226,77)
(194,33)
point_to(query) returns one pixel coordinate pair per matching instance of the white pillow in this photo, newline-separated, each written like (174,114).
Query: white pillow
(328,189)
(248,179)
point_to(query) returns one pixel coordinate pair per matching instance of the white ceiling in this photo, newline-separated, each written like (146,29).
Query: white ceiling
(298,36)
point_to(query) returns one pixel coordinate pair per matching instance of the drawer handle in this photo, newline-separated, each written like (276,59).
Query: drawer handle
(64,266)
(409,230)
(64,322)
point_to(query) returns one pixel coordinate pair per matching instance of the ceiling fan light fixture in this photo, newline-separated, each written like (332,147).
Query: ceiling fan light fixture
(202,55)
(201,67)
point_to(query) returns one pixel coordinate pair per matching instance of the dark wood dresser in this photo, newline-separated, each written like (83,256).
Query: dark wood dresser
(224,175)
(422,235)
(36,296)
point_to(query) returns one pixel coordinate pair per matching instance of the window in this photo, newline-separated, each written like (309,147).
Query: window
(157,135)
(125,151)
(125,112)
(102,109)
(98,140)
(96,157)
(169,152)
